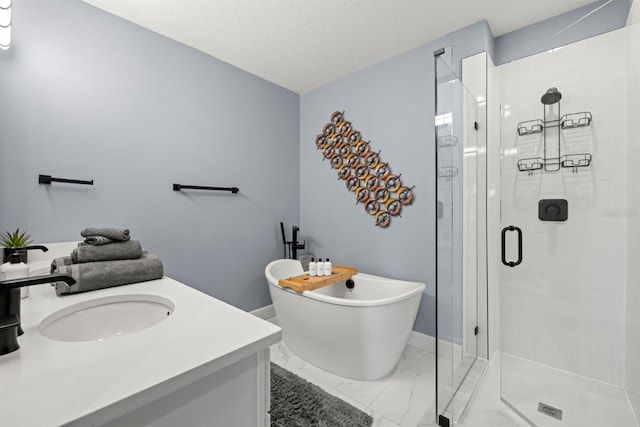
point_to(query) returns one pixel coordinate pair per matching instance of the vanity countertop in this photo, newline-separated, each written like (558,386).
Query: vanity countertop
(51,383)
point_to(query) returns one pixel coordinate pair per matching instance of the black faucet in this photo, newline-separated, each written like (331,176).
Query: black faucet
(294,244)
(10,327)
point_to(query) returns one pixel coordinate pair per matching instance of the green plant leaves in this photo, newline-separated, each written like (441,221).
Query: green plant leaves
(16,239)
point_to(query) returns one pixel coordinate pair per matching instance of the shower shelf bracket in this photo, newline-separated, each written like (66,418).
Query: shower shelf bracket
(553,159)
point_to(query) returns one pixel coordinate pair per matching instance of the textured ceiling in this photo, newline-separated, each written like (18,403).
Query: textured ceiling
(302,44)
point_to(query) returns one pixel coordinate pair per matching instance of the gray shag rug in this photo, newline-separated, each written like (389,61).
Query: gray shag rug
(296,402)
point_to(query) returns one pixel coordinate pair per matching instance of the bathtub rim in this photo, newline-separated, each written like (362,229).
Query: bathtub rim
(418,288)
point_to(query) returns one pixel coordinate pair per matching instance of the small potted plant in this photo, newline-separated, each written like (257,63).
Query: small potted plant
(16,239)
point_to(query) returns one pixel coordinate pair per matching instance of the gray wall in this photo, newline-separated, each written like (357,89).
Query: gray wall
(392,105)
(579,24)
(86,95)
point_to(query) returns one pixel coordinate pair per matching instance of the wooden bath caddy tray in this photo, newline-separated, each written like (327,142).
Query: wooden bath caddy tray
(304,282)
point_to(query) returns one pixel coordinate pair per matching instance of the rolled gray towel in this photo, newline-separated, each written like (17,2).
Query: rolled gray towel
(106,274)
(98,240)
(120,234)
(131,249)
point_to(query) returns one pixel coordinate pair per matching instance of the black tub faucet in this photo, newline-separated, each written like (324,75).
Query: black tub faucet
(295,246)
(10,307)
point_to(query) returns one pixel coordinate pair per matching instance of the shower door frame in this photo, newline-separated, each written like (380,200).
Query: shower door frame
(450,404)
(542,236)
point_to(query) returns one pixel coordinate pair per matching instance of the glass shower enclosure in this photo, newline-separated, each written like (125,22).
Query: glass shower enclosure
(564,234)
(568,299)
(459,223)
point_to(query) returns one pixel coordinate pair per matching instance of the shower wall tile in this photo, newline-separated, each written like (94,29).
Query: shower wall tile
(619,366)
(544,339)
(602,355)
(581,357)
(632,212)
(608,299)
(561,291)
(634,13)
(561,349)
(602,372)
(606,243)
(527,339)
(510,337)
(568,295)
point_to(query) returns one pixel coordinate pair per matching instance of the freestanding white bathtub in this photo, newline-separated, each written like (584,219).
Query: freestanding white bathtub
(357,333)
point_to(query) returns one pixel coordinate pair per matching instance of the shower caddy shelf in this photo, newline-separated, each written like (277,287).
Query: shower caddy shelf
(447,141)
(567,161)
(568,121)
(448,172)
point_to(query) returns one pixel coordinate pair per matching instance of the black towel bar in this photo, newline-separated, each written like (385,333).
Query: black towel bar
(178,187)
(47,179)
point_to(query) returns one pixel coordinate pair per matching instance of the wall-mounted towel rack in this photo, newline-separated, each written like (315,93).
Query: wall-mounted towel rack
(178,187)
(48,179)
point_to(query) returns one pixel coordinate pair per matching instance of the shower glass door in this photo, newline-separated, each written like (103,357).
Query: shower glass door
(564,213)
(456,290)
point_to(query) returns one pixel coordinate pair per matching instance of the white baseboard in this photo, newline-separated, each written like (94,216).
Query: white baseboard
(428,343)
(422,341)
(266,312)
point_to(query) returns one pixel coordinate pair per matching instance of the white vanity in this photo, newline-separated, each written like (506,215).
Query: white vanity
(207,363)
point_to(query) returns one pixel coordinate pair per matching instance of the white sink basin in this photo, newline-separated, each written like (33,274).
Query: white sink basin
(108,317)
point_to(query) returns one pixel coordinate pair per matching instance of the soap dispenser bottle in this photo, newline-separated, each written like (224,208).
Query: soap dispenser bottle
(312,268)
(14,268)
(327,267)
(320,267)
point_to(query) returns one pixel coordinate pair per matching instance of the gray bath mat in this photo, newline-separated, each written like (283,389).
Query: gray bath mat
(296,402)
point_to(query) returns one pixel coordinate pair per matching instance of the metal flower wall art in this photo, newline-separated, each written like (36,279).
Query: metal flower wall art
(365,174)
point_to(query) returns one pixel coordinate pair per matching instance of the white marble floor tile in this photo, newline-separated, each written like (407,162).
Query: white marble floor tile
(281,355)
(363,392)
(486,409)
(585,402)
(411,385)
(418,359)
(380,421)
(407,396)
(403,398)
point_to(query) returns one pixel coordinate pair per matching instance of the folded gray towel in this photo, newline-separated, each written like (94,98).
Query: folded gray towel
(98,240)
(105,274)
(59,262)
(121,234)
(131,249)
